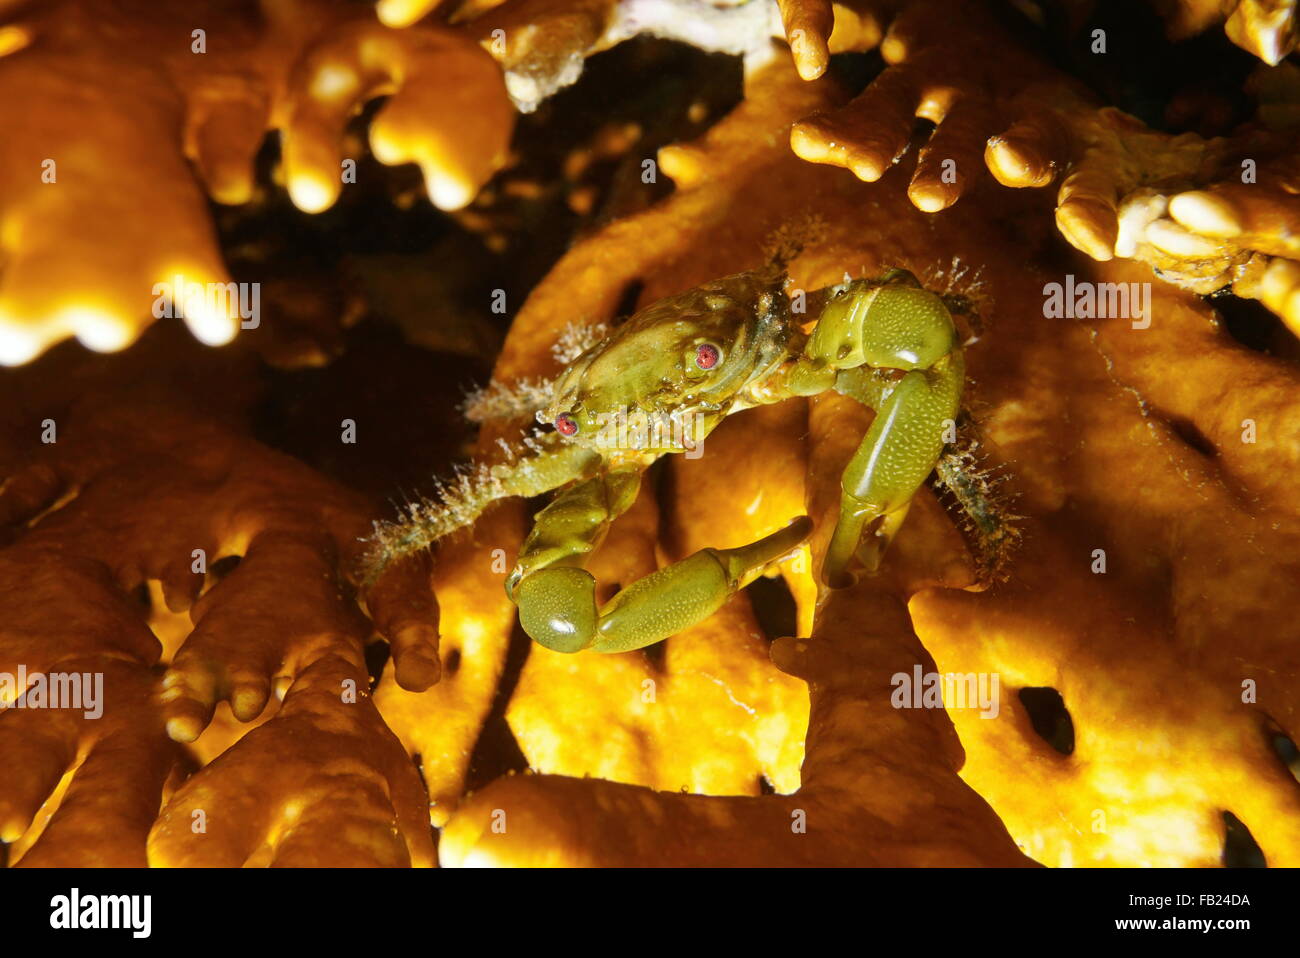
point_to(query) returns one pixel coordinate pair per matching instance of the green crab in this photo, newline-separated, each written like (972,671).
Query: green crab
(659,384)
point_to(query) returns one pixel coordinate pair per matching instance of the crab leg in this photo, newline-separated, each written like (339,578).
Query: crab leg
(868,334)
(557,598)
(574,524)
(548,465)
(679,595)
(889,466)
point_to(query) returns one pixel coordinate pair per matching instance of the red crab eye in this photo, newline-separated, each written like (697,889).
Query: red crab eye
(707,356)
(566,425)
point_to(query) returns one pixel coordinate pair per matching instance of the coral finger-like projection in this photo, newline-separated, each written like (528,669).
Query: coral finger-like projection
(1266,28)
(930,77)
(111,509)
(1204,213)
(82,787)
(105,213)
(815,29)
(446,111)
(322,783)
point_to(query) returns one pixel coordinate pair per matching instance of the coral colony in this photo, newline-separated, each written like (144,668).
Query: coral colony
(881,443)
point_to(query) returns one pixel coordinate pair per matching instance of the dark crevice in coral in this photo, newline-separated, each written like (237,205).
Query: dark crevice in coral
(496,753)
(1192,86)
(221,568)
(678,93)
(1255,326)
(1187,431)
(1240,850)
(628,298)
(1049,717)
(377,655)
(764,786)
(773,606)
(1284,747)
(853,71)
(140,594)
(654,655)
(398,396)
(418,760)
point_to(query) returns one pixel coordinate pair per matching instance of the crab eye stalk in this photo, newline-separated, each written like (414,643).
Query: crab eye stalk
(566,425)
(707,356)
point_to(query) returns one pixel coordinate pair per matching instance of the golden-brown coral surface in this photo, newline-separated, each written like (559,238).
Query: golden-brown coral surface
(121,115)
(1151,456)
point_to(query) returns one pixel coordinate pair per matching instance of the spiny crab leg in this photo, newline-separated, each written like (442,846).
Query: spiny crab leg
(547,465)
(557,598)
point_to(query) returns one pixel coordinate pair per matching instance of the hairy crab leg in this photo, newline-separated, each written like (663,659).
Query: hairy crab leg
(548,465)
